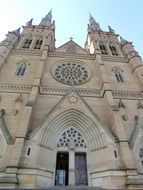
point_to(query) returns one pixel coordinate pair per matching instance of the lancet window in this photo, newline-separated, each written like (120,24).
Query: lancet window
(27,43)
(21,69)
(113,49)
(38,43)
(103,49)
(118,74)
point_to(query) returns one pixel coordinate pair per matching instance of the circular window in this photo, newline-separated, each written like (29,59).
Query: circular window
(71,72)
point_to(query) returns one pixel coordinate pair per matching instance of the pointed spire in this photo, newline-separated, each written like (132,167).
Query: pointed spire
(93,25)
(111,30)
(29,23)
(16,32)
(123,41)
(47,21)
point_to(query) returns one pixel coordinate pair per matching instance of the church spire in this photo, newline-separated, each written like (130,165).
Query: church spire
(47,20)
(29,23)
(93,25)
(16,32)
(123,41)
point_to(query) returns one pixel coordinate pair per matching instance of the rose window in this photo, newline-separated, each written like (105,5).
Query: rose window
(71,73)
(75,136)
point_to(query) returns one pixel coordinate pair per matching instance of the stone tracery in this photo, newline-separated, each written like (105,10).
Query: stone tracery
(71,135)
(71,73)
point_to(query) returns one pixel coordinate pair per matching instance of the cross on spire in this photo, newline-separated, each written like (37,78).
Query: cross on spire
(71,38)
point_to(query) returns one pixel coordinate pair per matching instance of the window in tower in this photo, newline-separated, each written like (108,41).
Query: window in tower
(113,49)
(103,49)
(118,74)
(21,69)
(38,44)
(27,43)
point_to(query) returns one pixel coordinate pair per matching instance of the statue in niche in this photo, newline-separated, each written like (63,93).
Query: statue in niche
(71,144)
(2,112)
(121,104)
(139,105)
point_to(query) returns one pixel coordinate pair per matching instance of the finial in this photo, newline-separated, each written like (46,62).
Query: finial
(47,21)
(123,41)
(16,32)
(111,30)
(29,23)
(93,25)
(71,38)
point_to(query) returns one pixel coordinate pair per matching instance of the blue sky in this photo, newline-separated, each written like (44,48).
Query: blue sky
(71,17)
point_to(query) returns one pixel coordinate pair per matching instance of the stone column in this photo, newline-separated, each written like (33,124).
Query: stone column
(71,163)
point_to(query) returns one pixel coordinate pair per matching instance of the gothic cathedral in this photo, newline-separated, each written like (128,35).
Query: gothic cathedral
(70,116)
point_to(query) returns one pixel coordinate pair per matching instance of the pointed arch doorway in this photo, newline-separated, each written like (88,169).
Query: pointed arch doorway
(71,165)
(74,132)
(71,169)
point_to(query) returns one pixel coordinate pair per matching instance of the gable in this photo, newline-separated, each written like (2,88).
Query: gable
(79,114)
(71,47)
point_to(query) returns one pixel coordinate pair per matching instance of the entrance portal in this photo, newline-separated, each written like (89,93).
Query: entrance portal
(66,174)
(62,169)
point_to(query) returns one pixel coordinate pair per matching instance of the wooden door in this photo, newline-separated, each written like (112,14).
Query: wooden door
(80,169)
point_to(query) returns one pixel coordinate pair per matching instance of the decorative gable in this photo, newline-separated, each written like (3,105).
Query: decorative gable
(71,47)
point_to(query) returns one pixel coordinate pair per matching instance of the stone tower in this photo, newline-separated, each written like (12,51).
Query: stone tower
(70,116)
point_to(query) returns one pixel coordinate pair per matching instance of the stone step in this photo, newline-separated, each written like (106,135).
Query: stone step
(74,188)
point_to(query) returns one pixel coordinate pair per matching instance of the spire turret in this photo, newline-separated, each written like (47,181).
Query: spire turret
(16,32)
(111,30)
(123,41)
(93,25)
(29,23)
(47,20)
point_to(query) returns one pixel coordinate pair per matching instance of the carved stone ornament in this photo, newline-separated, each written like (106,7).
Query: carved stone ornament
(136,117)
(72,99)
(19,98)
(121,104)
(125,117)
(15,112)
(2,112)
(71,72)
(71,144)
(139,105)
(71,139)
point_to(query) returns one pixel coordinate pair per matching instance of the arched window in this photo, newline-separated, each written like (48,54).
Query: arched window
(118,74)
(71,136)
(27,43)
(113,49)
(103,49)
(38,44)
(21,69)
